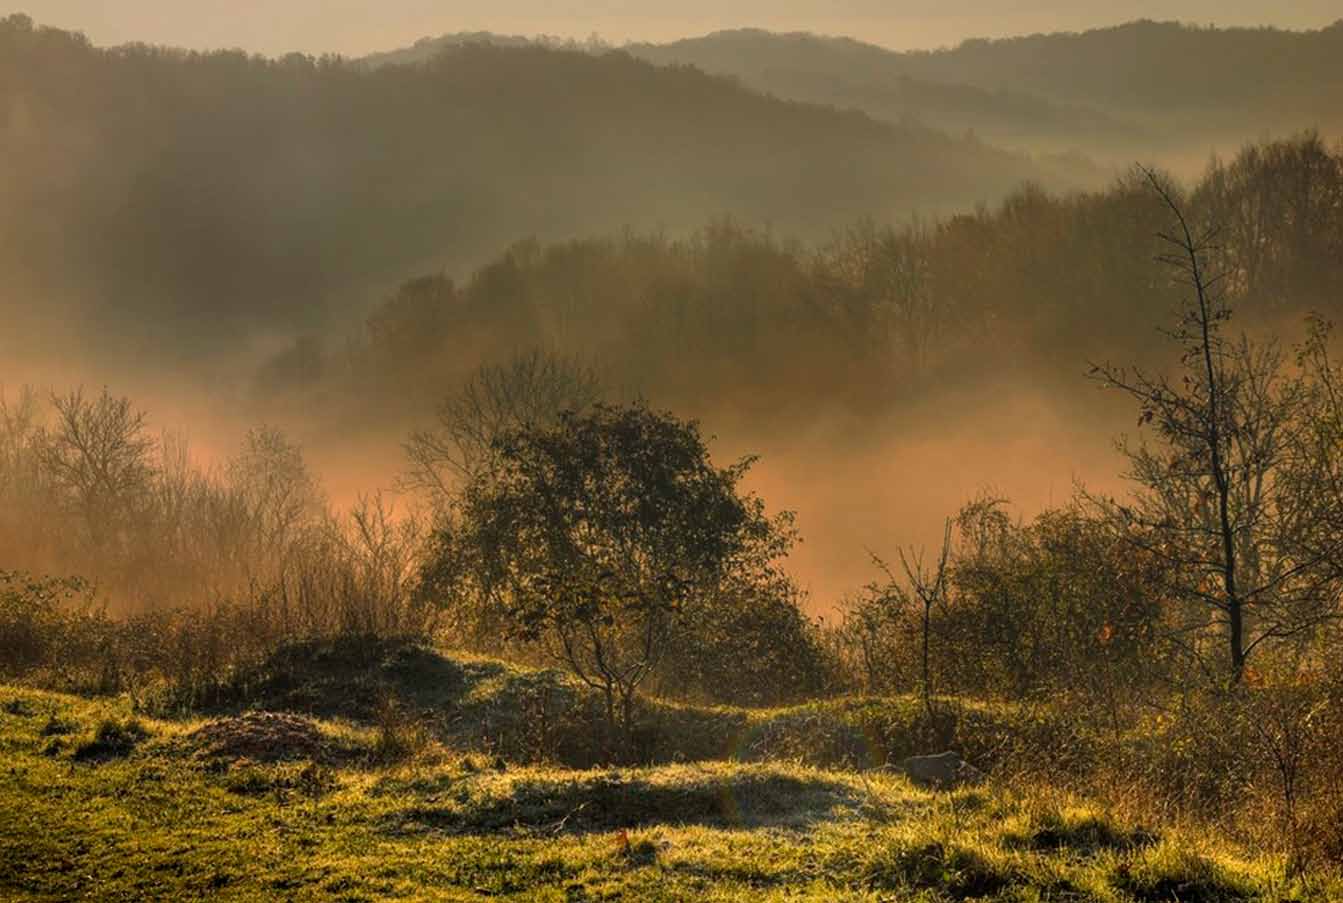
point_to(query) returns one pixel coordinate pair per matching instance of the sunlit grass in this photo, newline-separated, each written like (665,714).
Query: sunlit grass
(157,820)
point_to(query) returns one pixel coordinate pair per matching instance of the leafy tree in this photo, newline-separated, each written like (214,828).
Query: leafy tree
(1060,604)
(750,644)
(602,535)
(1280,233)
(875,631)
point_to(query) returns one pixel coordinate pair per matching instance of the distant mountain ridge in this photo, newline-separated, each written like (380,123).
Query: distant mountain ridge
(848,73)
(1141,87)
(425,49)
(1146,65)
(1116,93)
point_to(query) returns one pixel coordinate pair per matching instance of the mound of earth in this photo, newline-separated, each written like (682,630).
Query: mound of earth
(264,737)
(353,677)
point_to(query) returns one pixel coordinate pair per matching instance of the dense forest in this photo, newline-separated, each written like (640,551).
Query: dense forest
(871,320)
(217,197)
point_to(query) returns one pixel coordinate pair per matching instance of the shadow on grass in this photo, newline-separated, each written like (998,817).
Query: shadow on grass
(1173,874)
(959,871)
(1086,835)
(606,802)
(112,739)
(352,677)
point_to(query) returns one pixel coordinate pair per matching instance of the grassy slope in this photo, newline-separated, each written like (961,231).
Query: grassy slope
(527,715)
(159,819)
(156,823)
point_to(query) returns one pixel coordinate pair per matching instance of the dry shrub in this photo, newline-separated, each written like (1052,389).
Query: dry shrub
(54,633)
(401,735)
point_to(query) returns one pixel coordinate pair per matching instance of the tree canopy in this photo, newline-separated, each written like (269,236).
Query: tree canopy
(600,535)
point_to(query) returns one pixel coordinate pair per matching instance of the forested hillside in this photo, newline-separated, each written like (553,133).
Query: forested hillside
(847,73)
(1113,93)
(877,317)
(1150,68)
(183,203)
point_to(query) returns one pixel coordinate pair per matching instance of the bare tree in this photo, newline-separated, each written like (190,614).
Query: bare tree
(891,275)
(929,586)
(1320,476)
(279,496)
(1217,499)
(531,389)
(99,456)
(20,433)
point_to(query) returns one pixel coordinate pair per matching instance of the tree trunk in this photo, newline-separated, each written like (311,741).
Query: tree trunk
(1236,622)
(927,675)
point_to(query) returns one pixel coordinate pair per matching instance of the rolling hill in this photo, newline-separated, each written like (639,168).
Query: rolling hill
(847,73)
(212,197)
(1137,90)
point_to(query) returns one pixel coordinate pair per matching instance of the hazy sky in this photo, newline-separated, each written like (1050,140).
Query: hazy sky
(358,26)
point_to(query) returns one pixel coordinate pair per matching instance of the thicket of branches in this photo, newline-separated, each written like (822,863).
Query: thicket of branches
(1199,613)
(169,569)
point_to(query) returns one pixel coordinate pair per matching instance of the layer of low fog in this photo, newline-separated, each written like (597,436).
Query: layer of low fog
(888,348)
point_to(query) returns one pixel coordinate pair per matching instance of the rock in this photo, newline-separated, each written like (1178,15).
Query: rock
(943,771)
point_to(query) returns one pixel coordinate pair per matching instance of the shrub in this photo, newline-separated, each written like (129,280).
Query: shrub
(35,622)
(113,738)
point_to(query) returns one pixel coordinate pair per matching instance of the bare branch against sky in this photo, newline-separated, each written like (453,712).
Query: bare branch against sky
(355,27)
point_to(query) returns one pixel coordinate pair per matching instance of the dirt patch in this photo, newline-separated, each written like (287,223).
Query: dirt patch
(265,737)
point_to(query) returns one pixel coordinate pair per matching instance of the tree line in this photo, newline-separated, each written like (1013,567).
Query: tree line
(875,318)
(218,196)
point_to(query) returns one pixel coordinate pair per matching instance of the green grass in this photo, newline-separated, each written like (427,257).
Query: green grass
(529,715)
(159,813)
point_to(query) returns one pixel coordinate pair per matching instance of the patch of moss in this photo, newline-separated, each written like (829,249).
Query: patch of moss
(615,800)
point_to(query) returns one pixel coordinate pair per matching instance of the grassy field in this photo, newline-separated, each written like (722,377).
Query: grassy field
(99,802)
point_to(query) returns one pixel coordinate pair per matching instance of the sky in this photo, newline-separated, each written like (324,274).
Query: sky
(355,27)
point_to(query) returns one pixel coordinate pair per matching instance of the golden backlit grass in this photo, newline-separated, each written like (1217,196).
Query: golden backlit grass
(99,802)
